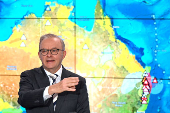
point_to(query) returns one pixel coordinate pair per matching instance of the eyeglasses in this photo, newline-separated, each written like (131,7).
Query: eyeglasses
(44,52)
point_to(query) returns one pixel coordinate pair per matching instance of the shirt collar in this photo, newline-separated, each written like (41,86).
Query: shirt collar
(59,72)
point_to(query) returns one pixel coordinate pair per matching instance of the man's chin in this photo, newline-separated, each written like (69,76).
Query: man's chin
(48,67)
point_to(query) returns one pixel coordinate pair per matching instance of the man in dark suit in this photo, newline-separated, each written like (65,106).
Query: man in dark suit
(51,88)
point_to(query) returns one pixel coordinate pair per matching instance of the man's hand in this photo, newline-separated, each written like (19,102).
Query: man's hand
(67,84)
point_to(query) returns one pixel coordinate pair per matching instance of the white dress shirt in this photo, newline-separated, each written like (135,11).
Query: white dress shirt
(58,79)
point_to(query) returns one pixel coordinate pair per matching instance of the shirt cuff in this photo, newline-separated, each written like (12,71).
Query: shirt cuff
(46,94)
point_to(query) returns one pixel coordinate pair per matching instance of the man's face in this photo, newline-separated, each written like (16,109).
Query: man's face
(50,62)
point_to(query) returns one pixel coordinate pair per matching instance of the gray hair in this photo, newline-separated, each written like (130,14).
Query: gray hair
(51,36)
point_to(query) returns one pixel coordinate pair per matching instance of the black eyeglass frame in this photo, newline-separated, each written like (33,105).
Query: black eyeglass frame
(50,51)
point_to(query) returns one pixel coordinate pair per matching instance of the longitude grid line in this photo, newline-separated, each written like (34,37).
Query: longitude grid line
(40,27)
(75,41)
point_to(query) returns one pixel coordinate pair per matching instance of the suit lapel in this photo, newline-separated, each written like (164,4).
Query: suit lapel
(42,78)
(61,96)
(43,81)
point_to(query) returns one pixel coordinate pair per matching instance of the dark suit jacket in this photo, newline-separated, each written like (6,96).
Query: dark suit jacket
(32,85)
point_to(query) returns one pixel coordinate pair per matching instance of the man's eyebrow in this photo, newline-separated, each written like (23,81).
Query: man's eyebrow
(54,48)
(50,49)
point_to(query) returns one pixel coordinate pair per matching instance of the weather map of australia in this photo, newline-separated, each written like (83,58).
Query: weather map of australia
(121,48)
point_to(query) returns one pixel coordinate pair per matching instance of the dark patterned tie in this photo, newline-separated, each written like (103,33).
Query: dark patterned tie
(54,77)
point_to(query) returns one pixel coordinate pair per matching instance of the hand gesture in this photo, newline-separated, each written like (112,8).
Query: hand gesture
(67,84)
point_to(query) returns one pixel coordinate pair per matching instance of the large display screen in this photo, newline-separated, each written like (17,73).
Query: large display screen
(121,47)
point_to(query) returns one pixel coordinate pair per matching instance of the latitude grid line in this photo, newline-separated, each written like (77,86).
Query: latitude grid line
(93,18)
(96,77)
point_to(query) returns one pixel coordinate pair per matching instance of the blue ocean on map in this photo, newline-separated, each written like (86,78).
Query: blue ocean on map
(84,14)
(14,16)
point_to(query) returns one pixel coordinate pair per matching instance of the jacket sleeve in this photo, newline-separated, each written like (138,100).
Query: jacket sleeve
(83,100)
(29,96)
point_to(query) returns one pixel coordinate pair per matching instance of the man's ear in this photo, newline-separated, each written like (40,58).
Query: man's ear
(64,54)
(39,55)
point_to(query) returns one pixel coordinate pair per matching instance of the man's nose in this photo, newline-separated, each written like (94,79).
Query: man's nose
(49,53)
